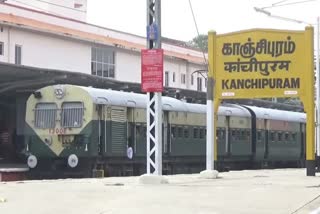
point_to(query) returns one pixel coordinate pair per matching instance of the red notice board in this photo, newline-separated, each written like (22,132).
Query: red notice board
(152,70)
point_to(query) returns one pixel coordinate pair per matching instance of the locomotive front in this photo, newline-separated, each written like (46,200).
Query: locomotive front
(57,126)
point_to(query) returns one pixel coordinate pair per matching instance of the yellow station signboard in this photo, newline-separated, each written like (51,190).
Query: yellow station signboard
(263,63)
(260,63)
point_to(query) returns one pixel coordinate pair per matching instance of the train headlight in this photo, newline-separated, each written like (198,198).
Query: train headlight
(73,160)
(32,161)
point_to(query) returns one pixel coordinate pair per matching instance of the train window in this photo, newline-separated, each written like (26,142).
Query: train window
(72,114)
(45,115)
(233,133)
(144,132)
(195,132)
(186,132)
(179,132)
(243,135)
(138,129)
(294,136)
(279,136)
(238,135)
(201,133)
(173,132)
(246,135)
(259,135)
(272,136)
(286,136)
(222,134)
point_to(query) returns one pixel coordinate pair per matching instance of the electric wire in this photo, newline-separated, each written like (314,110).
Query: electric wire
(197,29)
(292,3)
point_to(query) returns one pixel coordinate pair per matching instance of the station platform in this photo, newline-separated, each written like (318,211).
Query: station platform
(260,191)
(13,172)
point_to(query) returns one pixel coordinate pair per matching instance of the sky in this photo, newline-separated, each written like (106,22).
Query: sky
(222,16)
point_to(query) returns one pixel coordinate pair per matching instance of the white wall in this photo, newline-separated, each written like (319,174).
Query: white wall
(44,51)
(128,66)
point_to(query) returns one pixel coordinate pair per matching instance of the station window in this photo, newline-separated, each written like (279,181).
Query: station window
(192,79)
(183,78)
(1,48)
(173,77)
(166,79)
(199,84)
(18,54)
(279,136)
(103,62)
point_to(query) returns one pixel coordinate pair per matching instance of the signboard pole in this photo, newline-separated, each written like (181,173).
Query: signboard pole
(309,103)
(318,86)
(212,107)
(154,105)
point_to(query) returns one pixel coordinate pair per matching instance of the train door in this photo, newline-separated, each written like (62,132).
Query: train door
(103,128)
(131,133)
(302,141)
(166,133)
(100,128)
(227,139)
(118,131)
(266,137)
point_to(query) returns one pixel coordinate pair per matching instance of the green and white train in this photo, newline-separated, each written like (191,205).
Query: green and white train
(77,130)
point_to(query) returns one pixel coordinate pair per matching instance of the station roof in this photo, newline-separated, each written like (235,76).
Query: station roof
(15,79)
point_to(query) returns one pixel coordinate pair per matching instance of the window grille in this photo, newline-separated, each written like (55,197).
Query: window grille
(45,115)
(72,114)
(103,62)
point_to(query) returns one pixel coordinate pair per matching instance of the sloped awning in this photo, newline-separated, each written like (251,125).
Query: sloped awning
(19,79)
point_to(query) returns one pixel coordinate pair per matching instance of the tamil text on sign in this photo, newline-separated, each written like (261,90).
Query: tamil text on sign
(152,70)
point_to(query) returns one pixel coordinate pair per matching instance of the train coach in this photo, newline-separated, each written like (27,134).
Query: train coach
(75,130)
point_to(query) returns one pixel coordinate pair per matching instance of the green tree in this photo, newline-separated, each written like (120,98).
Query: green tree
(200,42)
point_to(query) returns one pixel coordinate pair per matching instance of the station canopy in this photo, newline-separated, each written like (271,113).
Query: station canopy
(19,79)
